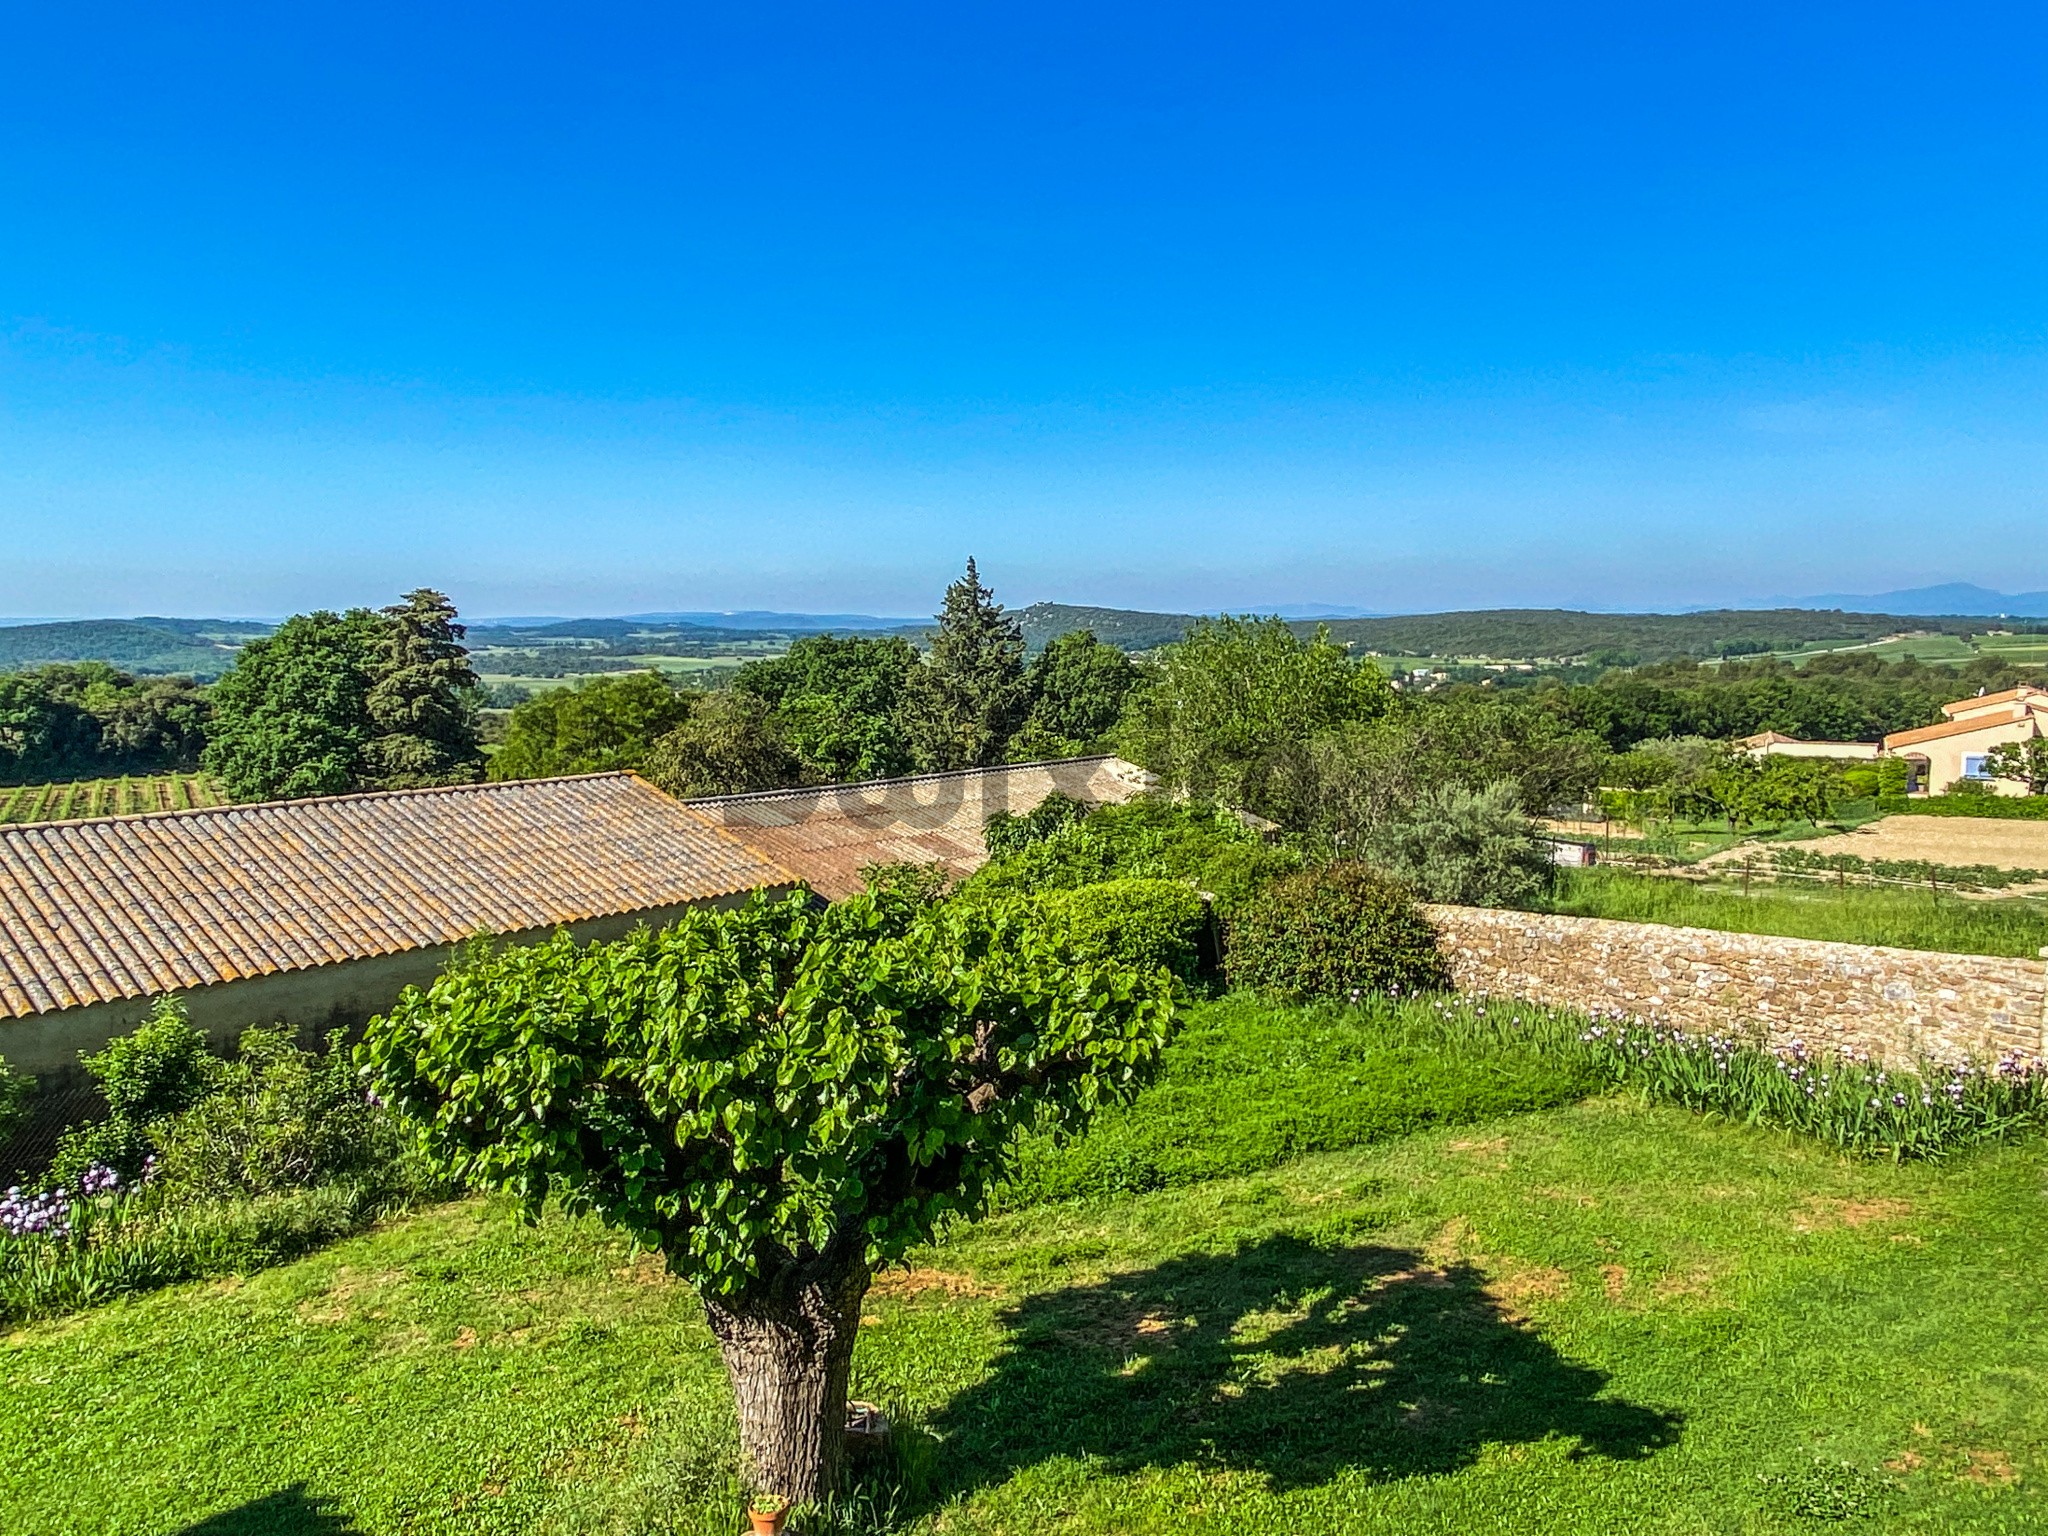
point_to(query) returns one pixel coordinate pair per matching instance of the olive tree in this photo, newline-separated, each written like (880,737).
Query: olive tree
(778,1097)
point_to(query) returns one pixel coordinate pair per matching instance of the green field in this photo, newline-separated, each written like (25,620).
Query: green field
(1934,649)
(106,797)
(1574,1321)
(1905,919)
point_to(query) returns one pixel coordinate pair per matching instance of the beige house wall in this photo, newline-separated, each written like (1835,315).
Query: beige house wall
(1945,757)
(1898,1005)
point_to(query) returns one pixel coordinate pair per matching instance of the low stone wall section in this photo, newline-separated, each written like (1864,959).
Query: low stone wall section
(1897,1005)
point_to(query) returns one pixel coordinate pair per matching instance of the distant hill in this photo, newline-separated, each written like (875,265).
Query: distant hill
(1127,629)
(201,648)
(1526,633)
(1957,597)
(1625,638)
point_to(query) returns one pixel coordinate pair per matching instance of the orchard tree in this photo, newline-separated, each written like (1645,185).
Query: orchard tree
(422,703)
(291,717)
(779,1098)
(962,706)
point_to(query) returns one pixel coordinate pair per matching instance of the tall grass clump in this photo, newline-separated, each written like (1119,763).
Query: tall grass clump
(1850,1101)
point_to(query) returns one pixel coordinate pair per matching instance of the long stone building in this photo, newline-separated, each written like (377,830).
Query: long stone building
(320,912)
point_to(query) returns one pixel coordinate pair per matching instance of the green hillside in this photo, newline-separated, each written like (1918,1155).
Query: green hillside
(200,648)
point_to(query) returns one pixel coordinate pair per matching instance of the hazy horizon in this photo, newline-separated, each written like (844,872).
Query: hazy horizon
(1153,308)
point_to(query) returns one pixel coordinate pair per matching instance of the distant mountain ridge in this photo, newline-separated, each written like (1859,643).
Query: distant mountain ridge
(1954,597)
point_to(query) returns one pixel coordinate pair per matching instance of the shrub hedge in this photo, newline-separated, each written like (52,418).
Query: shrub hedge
(1338,932)
(2001,807)
(1145,923)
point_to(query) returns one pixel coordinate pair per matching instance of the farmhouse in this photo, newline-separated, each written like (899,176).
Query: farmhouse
(320,912)
(1940,755)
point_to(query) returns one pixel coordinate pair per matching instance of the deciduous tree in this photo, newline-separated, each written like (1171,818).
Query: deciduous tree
(291,717)
(730,744)
(1078,686)
(778,1098)
(608,723)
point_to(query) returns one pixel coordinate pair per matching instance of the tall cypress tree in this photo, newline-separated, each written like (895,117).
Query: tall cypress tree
(961,707)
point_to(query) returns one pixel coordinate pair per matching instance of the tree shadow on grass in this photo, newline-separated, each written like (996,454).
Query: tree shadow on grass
(288,1512)
(1288,1359)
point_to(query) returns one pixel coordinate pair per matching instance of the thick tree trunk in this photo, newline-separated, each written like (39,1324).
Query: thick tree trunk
(788,1347)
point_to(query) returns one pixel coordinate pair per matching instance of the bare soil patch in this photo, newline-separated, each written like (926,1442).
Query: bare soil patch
(1825,1213)
(1943,840)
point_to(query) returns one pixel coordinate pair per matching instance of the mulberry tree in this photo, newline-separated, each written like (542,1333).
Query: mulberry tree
(779,1098)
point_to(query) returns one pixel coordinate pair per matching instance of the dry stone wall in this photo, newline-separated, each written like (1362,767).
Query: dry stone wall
(1897,1005)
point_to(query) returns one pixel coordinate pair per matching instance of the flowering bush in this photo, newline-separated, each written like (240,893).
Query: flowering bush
(1849,1100)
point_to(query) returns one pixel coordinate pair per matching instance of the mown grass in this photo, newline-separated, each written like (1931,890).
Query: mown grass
(1247,1084)
(1597,1319)
(1855,915)
(1592,1318)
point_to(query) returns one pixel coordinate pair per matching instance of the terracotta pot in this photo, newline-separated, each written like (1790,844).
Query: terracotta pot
(768,1522)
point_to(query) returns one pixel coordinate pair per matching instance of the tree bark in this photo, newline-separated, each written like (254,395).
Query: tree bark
(788,1346)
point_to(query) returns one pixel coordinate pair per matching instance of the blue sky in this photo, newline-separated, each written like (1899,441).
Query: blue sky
(606,308)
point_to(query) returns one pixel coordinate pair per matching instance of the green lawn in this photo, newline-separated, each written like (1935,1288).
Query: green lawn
(1595,1318)
(1906,919)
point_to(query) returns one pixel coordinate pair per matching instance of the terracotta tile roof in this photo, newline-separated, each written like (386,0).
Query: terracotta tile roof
(1966,726)
(827,834)
(2033,698)
(123,907)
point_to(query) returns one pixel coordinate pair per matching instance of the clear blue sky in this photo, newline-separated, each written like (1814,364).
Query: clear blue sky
(600,308)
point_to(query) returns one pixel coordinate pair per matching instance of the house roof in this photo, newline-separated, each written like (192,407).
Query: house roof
(2031,698)
(829,833)
(1969,725)
(128,906)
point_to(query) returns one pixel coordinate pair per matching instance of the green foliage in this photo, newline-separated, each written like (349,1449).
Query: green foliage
(1893,775)
(1149,838)
(1144,925)
(1850,1102)
(608,723)
(2022,762)
(731,743)
(291,716)
(156,1071)
(1471,848)
(15,1093)
(1005,832)
(836,699)
(1362,787)
(1078,686)
(1997,807)
(196,648)
(422,702)
(128,1243)
(86,720)
(1903,919)
(275,1118)
(1226,712)
(1247,1085)
(755,1086)
(963,704)
(1334,933)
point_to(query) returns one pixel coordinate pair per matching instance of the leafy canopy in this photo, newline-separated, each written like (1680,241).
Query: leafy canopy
(1078,687)
(291,717)
(754,1086)
(836,699)
(1229,707)
(608,723)
(422,699)
(730,744)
